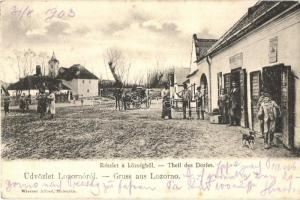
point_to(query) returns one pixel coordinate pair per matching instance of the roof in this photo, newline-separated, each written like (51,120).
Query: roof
(256,16)
(192,74)
(53,58)
(75,72)
(34,82)
(202,46)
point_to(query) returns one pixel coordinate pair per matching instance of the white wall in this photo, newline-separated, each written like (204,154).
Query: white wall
(83,87)
(88,87)
(255,49)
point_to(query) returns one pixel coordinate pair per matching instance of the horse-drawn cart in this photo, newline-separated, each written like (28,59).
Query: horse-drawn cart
(136,99)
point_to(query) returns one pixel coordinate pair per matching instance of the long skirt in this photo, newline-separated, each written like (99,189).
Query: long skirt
(166,109)
(52,108)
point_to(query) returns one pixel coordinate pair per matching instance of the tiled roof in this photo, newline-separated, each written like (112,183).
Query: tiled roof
(202,46)
(75,72)
(256,16)
(34,82)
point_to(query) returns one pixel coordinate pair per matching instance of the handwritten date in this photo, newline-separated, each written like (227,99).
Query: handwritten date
(49,14)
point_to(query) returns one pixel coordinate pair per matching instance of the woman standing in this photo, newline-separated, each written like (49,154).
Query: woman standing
(166,103)
(51,98)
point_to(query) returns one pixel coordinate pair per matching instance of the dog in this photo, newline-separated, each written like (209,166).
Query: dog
(248,139)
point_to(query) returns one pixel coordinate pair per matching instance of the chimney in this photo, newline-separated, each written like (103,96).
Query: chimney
(38,71)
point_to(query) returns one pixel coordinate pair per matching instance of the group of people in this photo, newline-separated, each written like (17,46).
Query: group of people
(124,98)
(45,102)
(24,102)
(186,97)
(229,106)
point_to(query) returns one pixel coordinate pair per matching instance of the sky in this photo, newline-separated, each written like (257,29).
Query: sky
(151,35)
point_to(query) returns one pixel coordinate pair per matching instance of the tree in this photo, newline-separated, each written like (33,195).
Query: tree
(43,57)
(155,78)
(25,62)
(117,65)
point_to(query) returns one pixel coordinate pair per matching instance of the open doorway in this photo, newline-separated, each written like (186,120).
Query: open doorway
(235,79)
(272,84)
(279,81)
(203,85)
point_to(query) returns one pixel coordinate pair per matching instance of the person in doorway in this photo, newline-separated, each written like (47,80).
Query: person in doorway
(199,102)
(234,106)
(260,114)
(186,96)
(223,106)
(6,103)
(51,99)
(271,112)
(166,103)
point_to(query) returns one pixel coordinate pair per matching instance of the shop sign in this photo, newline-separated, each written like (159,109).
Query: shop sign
(273,49)
(236,61)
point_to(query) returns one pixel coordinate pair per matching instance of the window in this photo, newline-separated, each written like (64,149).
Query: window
(89,81)
(82,81)
(88,90)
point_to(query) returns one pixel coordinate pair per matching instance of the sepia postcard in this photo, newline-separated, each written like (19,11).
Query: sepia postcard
(133,99)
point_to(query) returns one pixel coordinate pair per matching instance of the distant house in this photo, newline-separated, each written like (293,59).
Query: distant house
(81,81)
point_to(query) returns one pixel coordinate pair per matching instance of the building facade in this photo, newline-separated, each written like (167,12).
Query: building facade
(82,82)
(261,51)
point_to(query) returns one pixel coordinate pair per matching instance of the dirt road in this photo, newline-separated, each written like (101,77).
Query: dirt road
(102,132)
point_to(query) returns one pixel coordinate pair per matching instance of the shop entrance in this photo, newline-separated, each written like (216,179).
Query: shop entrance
(235,78)
(239,77)
(278,80)
(203,84)
(272,84)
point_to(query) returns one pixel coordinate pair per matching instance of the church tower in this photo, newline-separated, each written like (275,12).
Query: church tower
(53,66)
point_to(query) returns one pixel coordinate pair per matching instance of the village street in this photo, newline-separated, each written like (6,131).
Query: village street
(103,132)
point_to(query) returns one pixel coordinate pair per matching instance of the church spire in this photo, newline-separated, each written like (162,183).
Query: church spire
(53,66)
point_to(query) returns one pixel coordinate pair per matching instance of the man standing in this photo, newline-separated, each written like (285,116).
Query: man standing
(42,102)
(260,114)
(166,103)
(222,102)
(234,105)
(23,102)
(6,103)
(118,97)
(271,112)
(186,100)
(199,101)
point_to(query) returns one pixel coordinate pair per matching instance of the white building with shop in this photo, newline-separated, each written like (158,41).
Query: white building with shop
(261,49)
